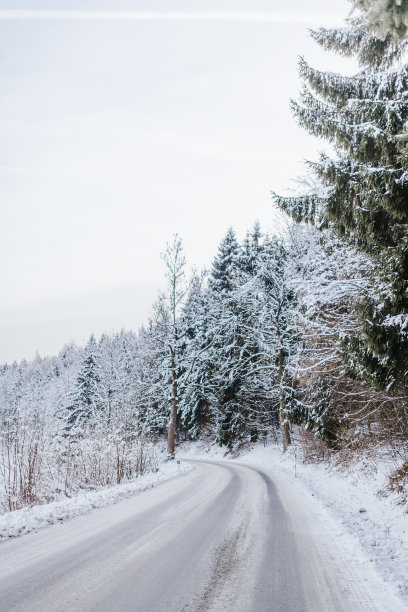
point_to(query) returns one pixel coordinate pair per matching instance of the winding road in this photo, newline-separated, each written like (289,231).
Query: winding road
(222,536)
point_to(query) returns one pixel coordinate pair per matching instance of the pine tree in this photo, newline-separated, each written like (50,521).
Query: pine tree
(249,328)
(251,250)
(151,384)
(227,350)
(86,405)
(195,392)
(107,372)
(385,17)
(225,265)
(364,189)
(269,302)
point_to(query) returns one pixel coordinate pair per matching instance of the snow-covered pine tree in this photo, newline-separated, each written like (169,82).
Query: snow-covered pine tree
(129,404)
(85,404)
(385,17)
(227,349)
(195,393)
(151,377)
(225,265)
(268,301)
(365,187)
(108,377)
(246,360)
(251,250)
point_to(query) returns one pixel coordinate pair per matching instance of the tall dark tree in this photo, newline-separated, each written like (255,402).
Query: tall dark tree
(363,190)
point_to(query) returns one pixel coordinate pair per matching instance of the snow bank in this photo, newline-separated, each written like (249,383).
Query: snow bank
(367,526)
(15,523)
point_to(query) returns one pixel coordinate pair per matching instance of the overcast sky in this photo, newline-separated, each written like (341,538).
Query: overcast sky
(126,123)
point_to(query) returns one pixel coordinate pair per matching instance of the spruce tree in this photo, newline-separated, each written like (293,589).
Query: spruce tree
(385,17)
(251,250)
(194,388)
(86,403)
(228,347)
(225,264)
(362,191)
(247,358)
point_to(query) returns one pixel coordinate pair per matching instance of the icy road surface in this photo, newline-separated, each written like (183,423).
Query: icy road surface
(222,537)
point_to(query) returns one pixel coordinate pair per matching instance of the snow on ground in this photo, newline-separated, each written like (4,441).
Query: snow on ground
(371,530)
(22,521)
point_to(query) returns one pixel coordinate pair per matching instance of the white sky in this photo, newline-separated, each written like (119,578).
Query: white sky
(117,130)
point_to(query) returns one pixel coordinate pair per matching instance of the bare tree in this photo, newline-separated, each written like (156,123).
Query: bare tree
(167,326)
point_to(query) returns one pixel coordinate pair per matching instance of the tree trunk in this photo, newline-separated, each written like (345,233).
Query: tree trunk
(109,407)
(283,420)
(171,436)
(284,424)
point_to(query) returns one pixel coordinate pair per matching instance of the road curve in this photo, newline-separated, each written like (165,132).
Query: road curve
(222,537)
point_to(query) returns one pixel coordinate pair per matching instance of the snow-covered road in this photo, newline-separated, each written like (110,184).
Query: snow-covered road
(221,537)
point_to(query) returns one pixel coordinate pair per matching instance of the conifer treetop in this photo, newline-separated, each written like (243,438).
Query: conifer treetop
(385,17)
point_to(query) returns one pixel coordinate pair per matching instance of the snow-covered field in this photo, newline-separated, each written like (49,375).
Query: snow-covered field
(371,530)
(16,523)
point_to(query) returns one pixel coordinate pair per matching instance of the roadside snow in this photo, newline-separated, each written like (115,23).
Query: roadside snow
(22,521)
(372,531)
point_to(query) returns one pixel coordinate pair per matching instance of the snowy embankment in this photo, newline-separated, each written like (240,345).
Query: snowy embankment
(22,521)
(371,530)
